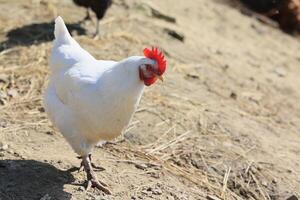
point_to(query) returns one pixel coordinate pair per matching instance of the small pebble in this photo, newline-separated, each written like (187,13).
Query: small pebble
(196,163)
(264,183)
(170,198)
(11,151)
(193,76)
(12,93)
(280,71)
(233,95)
(3,124)
(141,166)
(157,191)
(41,109)
(4,147)
(154,174)
(49,133)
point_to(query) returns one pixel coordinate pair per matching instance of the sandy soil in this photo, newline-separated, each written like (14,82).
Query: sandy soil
(224,125)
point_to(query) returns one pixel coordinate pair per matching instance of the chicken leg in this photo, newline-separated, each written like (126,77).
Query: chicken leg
(96,34)
(87,17)
(97,168)
(91,176)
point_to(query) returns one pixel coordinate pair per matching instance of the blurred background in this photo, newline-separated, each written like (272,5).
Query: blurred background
(224,125)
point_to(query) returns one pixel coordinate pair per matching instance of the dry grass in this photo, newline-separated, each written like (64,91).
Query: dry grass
(23,111)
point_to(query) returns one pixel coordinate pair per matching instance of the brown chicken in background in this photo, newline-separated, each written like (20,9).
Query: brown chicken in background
(285,12)
(288,16)
(99,7)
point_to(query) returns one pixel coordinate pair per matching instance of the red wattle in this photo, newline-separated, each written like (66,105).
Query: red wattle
(147,81)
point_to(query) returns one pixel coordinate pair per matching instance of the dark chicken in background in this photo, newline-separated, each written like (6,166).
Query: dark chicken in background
(99,7)
(262,6)
(86,4)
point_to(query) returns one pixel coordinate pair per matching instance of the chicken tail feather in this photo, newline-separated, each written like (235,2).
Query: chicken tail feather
(61,32)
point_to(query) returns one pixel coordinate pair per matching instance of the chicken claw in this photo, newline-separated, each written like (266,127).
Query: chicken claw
(97,168)
(91,176)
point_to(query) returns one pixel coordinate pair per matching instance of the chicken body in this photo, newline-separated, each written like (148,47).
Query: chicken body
(99,7)
(90,100)
(83,3)
(86,4)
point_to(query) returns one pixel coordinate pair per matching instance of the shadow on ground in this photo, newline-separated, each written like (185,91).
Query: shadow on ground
(35,34)
(29,179)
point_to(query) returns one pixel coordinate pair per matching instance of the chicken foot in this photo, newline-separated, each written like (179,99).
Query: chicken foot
(91,176)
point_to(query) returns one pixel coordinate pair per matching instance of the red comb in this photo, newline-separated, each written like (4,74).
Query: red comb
(159,57)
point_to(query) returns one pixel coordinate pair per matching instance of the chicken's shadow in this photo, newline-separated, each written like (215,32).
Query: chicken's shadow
(35,34)
(29,179)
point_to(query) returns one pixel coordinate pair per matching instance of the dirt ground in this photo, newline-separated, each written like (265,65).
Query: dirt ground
(225,124)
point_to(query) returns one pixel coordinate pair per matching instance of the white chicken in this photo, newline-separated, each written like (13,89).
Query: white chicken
(91,100)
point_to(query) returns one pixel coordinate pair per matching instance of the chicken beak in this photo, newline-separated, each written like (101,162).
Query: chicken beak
(160,78)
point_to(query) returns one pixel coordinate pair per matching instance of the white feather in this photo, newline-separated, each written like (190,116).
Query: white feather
(90,100)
